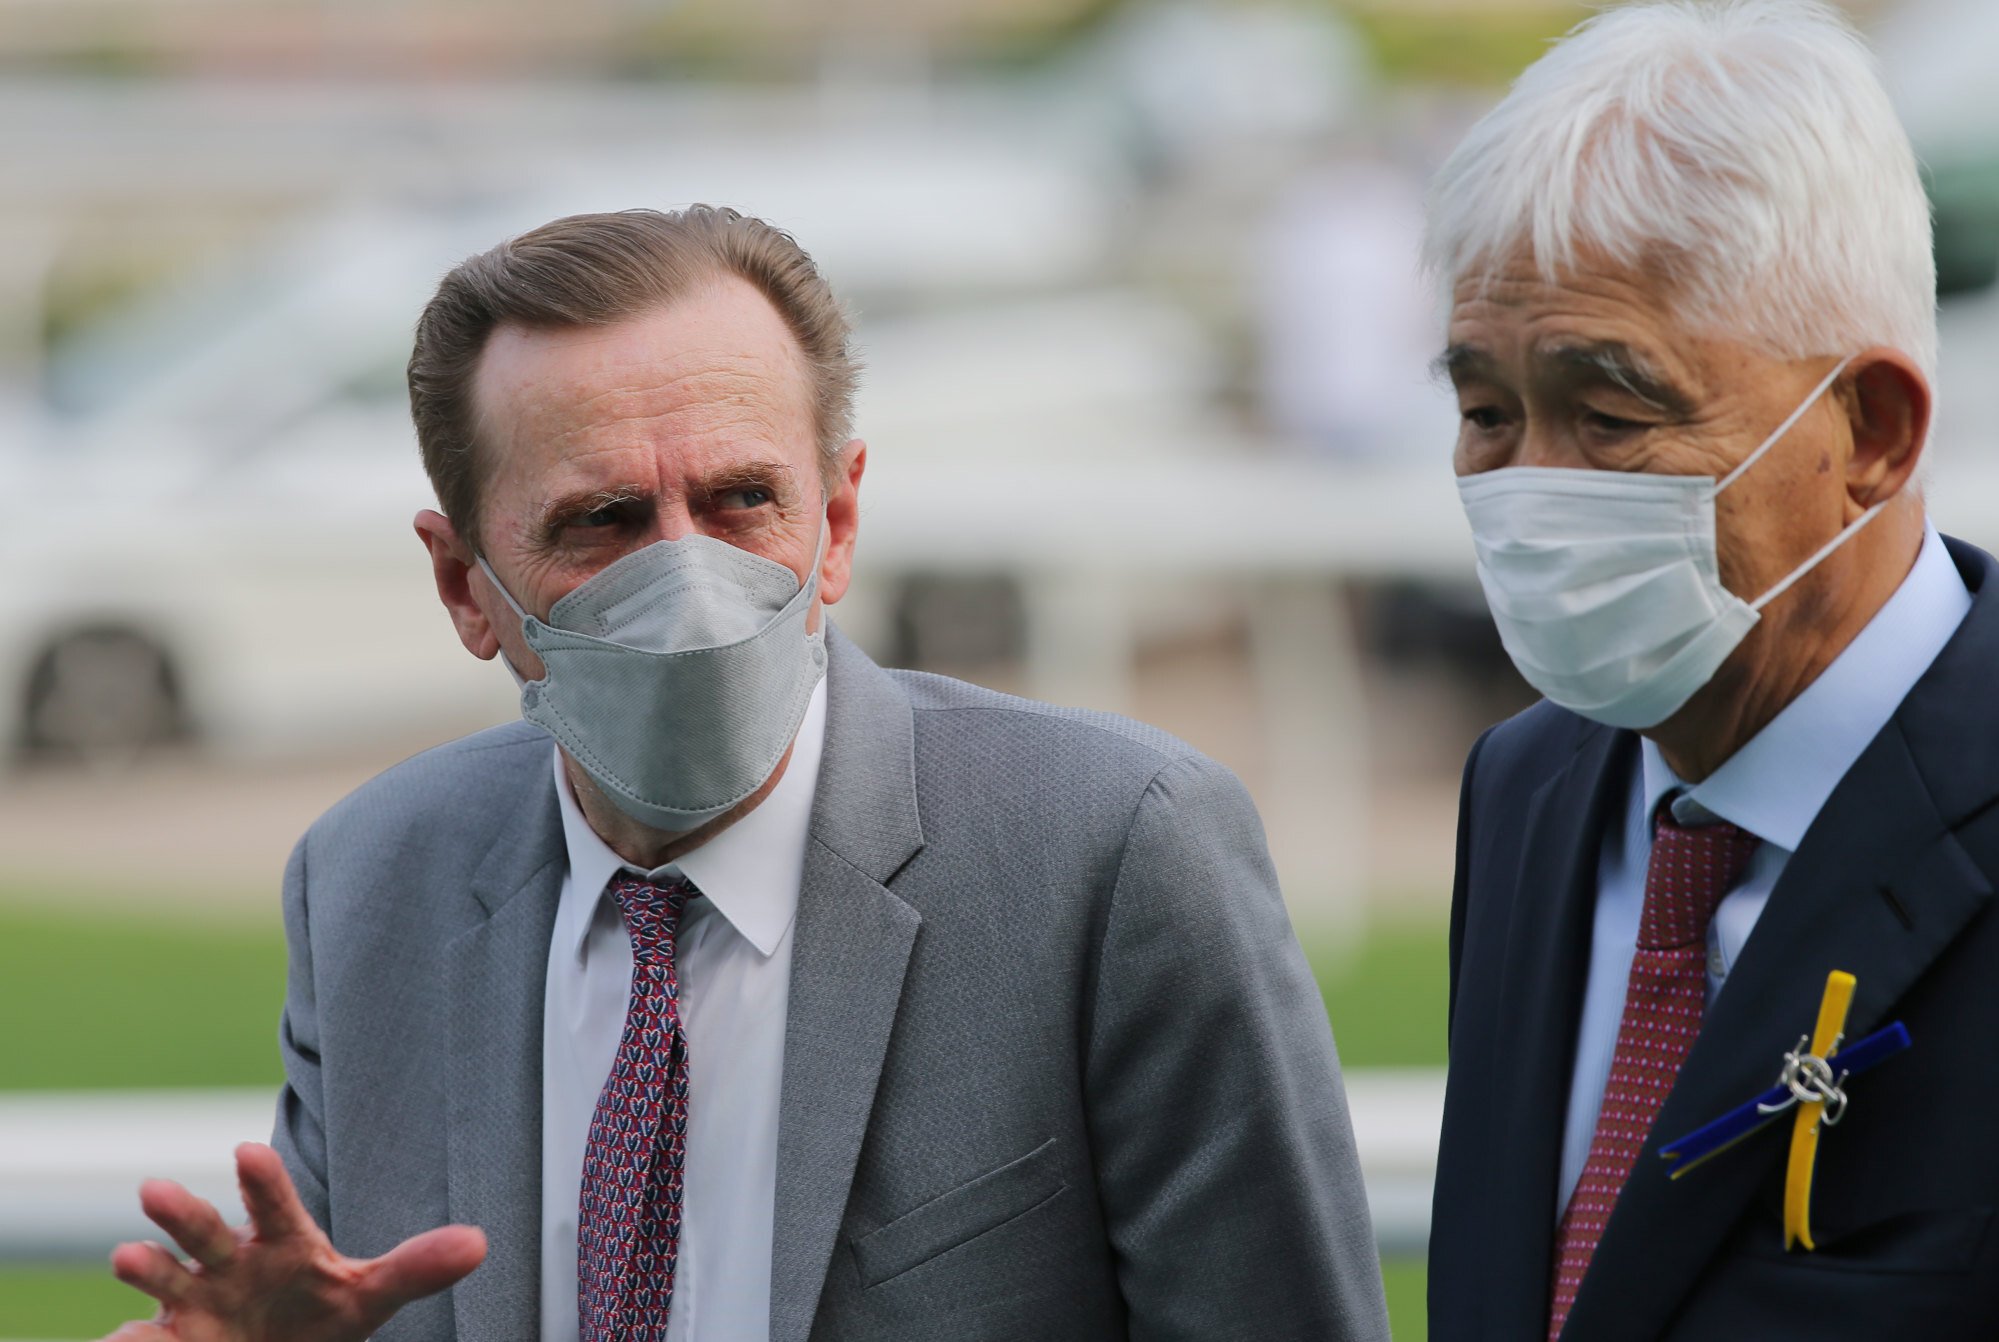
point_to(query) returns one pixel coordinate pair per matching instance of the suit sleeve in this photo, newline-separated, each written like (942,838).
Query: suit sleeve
(1225,1157)
(300,1137)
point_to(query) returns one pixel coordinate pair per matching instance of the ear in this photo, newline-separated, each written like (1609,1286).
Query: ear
(452,565)
(1888,410)
(843,522)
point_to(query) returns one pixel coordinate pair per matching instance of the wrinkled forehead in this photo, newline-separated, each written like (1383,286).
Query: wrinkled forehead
(710,378)
(1621,321)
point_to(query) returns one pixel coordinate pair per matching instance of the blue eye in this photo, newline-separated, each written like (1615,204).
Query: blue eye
(600,517)
(746,498)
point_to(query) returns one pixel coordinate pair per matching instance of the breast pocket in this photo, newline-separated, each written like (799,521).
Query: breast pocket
(960,1216)
(1920,1242)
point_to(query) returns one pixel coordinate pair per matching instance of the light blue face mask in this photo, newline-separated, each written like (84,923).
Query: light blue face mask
(677,677)
(1605,585)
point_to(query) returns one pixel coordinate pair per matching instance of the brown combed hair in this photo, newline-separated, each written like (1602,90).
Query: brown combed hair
(596,270)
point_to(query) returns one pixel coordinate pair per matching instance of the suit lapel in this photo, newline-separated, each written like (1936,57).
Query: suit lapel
(1879,887)
(1547,963)
(851,947)
(495,975)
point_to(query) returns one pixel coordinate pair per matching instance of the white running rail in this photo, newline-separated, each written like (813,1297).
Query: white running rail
(71,1164)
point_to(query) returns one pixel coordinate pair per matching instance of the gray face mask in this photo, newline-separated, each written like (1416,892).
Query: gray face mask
(677,677)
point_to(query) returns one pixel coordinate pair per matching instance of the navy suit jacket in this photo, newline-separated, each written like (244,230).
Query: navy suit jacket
(1892,882)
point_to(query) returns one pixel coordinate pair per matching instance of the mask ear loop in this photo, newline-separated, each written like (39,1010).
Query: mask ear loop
(819,550)
(1845,533)
(1785,427)
(1760,602)
(508,597)
(501,588)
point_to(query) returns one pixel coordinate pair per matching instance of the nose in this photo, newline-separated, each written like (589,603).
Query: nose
(1542,444)
(673,519)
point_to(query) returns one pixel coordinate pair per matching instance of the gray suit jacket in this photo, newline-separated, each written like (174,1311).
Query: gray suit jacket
(1054,1068)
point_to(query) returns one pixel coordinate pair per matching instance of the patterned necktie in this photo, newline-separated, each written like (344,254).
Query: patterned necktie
(1691,869)
(628,1229)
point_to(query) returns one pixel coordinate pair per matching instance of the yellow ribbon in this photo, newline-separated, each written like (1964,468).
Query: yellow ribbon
(1805,1128)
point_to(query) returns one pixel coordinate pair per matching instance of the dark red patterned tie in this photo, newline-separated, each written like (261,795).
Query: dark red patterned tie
(628,1229)
(1691,869)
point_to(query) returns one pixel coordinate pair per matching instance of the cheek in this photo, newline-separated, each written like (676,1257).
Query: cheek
(1766,525)
(795,543)
(540,582)
(523,658)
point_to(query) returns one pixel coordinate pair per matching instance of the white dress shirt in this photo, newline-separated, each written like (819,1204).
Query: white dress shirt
(733,956)
(1773,787)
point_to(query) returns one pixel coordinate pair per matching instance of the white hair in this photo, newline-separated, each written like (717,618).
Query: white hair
(1747,149)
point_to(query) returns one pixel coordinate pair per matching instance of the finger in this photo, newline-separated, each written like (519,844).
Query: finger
(150,1268)
(141,1332)
(195,1224)
(423,1265)
(274,1207)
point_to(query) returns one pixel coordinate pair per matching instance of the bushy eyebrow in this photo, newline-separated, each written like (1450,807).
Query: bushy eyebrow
(1612,361)
(774,476)
(566,508)
(1460,363)
(1626,368)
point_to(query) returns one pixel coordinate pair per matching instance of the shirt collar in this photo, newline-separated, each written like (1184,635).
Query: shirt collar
(1775,785)
(750,872)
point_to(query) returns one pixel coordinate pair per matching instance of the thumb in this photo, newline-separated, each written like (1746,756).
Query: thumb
(423,1265)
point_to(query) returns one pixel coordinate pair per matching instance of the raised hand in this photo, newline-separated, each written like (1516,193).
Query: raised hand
(277,1279)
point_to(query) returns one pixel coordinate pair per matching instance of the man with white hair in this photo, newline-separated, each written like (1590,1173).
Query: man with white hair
(1692,338)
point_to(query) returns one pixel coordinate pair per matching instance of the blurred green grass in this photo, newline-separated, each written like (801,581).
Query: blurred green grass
(1387,992)
(84,1302)
(1408,1309)
(67,1301)
(124,1000)
(1478,46)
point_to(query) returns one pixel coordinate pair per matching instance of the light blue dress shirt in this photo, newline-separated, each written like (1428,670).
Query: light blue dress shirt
(1773,787)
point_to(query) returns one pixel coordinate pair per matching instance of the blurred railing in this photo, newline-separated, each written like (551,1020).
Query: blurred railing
(71,1164)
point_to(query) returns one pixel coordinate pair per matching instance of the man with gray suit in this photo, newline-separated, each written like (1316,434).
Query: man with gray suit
(779,995)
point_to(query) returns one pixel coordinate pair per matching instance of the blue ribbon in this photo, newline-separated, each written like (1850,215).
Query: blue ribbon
(1705,1143)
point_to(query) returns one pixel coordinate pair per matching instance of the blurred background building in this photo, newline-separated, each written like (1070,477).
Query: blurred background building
(1150,422)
